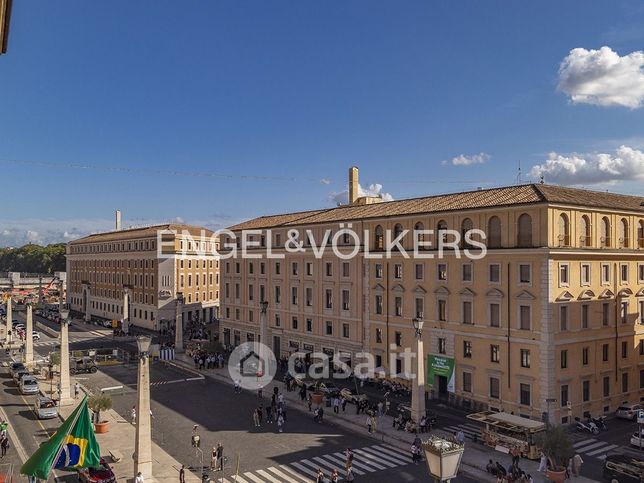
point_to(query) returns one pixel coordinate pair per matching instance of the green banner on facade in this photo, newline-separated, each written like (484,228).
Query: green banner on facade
(441,366)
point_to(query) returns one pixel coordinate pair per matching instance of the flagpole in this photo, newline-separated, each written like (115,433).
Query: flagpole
(71,428)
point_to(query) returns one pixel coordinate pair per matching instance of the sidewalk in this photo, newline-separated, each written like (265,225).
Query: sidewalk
(475,457)
(121,437)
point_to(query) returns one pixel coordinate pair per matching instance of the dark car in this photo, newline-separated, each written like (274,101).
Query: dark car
(16,366)
(626,466)
(102,474)
(19,374)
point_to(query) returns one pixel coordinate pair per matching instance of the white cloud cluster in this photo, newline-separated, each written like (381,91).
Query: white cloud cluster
(467,160)
(342,198)
(603,77)
(625,164)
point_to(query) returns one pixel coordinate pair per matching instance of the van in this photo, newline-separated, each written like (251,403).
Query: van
(29,385)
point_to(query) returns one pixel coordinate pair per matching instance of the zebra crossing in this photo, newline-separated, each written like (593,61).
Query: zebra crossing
(470,430)
(366,460)
(72,338)
(594,447)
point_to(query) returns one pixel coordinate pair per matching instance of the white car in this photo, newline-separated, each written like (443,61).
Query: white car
(35,335)
(628,411)
(638,440)
(19,326)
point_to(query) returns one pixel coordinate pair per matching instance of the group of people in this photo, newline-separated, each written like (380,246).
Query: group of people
(217,457)
(334,477)
(208,360)
(512,474)
(275,411)
(573,468)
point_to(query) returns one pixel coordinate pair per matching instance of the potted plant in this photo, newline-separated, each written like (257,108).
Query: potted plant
(98,403)
(556,446)
(318,396)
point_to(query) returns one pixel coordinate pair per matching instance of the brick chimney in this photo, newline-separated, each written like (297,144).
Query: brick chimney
(353,185)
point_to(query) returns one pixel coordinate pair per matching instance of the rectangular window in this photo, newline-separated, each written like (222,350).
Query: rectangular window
(585,311)
(624,381)
(624,350)
(345,331)
(420,307)
(525,275)
(585,274)
(494,353)
(495,273)
(563,358)
(379,304)
(294,295)
(525,314)
(584,356)
(345,299)
(398,306)
(294,323)
(564,273)
(378,270)
(278,294)
(467,312)
(345,269)
(642,312)
(419,271)
(606,386)
(250,292)
(329,269)
(605,353)
(466,272)
(564,397)
(442,271)
(525,358)
(328,298)
(495,387)
(278,268)
(605,273)
(524,392)
(398,338)
(442,310)
(442,345)
(294,269)
(309,269)
(398,271)
(379,336)
(563,317)
(250,268)
(605,314)
(329,327)
(585,391)
(467,382)
(309,325)
(640,272)
(309,296)
(624,312)
(262,268)
(624,272)
(495,315)
(278,321)
(467,349)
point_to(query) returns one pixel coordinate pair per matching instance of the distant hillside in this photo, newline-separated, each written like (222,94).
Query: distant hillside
(33,259)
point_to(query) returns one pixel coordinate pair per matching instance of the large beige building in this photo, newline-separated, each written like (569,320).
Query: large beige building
(551,317)
(145,270)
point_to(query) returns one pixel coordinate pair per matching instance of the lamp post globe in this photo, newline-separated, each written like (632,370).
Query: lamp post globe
(143,342)
(443,458)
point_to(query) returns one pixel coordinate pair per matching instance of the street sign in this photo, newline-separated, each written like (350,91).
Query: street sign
(640,416)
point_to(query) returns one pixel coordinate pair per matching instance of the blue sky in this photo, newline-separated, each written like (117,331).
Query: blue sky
(143,105)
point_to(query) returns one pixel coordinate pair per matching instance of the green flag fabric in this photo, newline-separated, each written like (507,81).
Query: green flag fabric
(73,446)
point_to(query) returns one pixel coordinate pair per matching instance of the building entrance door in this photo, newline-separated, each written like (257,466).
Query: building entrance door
(277,345)
(442,386)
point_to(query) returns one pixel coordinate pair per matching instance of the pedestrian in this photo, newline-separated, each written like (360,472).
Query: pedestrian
(576,464)
(213,458)
(220,457)
(76,390)
(336,405)
(280,423)
(415,453)
(369,424)
(182,474)
(348,457)
(344,404)
(133,414)
(269,414)
(460,437)
(320,476)
(380,409)
(237,386)
(259,390)
(255,418)
(260,413)
(310,402)
(334,476)
(4,445)
(350,477)
(543,463)
(139,478)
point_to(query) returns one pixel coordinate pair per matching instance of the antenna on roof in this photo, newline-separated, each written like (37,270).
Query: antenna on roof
(541,181)
(519,174)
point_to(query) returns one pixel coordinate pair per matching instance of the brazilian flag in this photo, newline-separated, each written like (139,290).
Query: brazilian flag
(72,446)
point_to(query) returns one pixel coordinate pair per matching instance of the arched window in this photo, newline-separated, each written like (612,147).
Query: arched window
(379,242)
(398,230)
(584,230)
(524,225)
(563,234)
(624,239)
(605,232)
(420,236)
(494,232)
(640,234)
(466,226)
(441,227)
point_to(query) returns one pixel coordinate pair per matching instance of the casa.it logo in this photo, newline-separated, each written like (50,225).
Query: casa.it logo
(252,365)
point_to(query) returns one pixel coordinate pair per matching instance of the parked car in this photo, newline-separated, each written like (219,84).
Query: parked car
(625,466)
(35,335)
(45,408)
(637,440)
(628,411)
(352,398)
(19,326)
(16,366)
(329,389)
(102,474)
(19,374)
(29,385)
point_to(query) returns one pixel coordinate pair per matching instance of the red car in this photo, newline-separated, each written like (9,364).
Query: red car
(102,474)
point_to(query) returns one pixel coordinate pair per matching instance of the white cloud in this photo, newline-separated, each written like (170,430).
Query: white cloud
(342,198)
(326,181)
(603,77)
(467,160)
(625,164)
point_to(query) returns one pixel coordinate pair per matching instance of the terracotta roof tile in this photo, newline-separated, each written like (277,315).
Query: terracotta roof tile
(147,231)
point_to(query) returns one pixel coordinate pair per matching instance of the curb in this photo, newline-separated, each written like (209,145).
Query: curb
(183,367)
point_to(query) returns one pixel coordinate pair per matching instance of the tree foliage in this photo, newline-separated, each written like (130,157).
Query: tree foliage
(33,259)
(555,444)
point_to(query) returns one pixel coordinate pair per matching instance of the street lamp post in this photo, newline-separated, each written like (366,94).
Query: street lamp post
(178,325)
(143,443)
(418,382)
(65,396)
(263,326)
(29,339)
(125,322)
(443,458)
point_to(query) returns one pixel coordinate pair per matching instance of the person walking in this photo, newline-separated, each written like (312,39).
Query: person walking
(237,386)
(255,418)
(213,458)
(350,476)
(334,476)
(280,423)
(133,414)
(220,457)
(543,463)
(182,474)
(4,445)
(320,476)
(369,424)
(310,402)
(269,414)
(76,390)
(260,413)
(139,478)
(576,464)
(460,437)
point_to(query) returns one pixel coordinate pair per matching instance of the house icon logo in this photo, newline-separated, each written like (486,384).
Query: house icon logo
(252,365)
